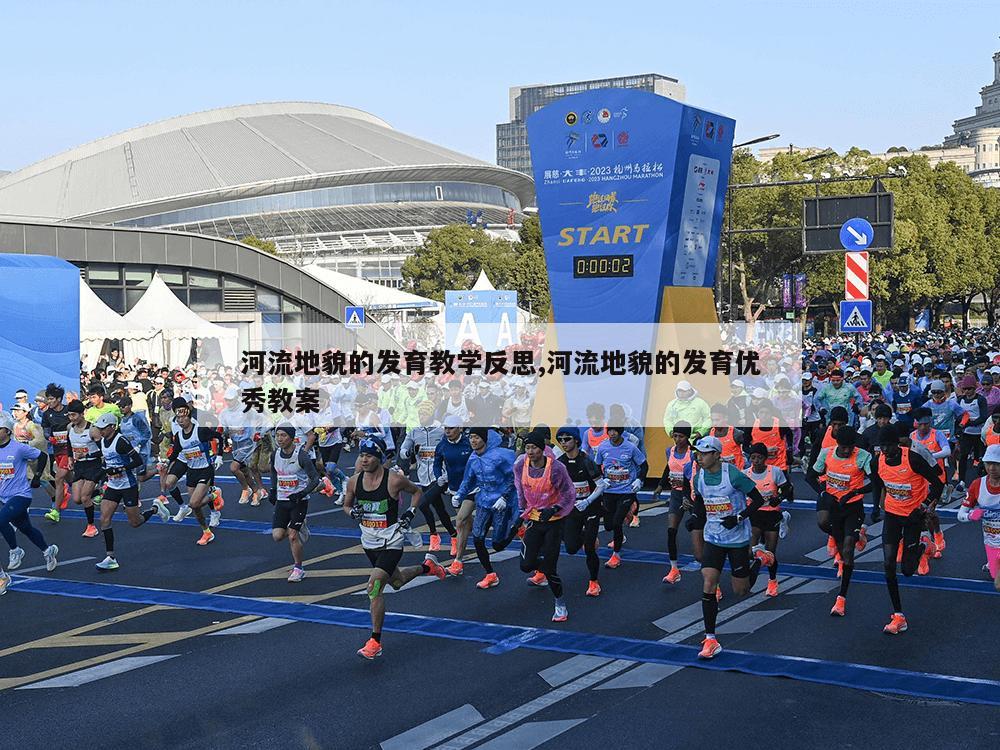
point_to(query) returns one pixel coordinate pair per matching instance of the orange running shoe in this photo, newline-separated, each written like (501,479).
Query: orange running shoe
(766,557)
(207,537)
(896,625)
(831,546)
(371,649)
(593,589)
(839,607)
(520,532)
(244,497)
(489,581)
(924,566)
(673,576)
(939,543)
(718,593)
(899,553)
(435,544)
(434,568)
(710,648)
(91,531)
(327,488)
(862,542)
(218,503)
(65,497)
(456,568)
(454,546)
(772,587)
(538,579)
(614,561)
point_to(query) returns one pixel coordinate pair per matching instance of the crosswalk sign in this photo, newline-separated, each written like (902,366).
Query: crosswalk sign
(354,317)
(856,316)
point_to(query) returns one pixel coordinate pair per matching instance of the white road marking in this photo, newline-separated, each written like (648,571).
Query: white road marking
(530,735)
(62,563)
(92,674)
(439,728)
(257,626)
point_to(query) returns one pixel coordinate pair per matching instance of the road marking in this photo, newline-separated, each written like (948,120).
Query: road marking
(439,728)
(818,586)
(570,669)
(92,674)
(256,626)
(62,563)
(530,735)
(324,512)
(752,621)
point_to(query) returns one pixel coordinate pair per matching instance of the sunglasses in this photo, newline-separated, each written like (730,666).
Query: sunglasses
(564,438)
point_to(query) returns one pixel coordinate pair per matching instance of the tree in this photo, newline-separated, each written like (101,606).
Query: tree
(263,245)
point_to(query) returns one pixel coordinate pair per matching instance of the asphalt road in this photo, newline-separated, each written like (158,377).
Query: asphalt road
(95,660)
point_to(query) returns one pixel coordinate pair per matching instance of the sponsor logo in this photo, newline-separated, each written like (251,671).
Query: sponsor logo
(571,118)
(622,113)
(574,145)
(719,130)
(603,115)
(624,234)
(603,203)
(599,140)
(571,139)
(588,117)
(622,138)
(696,127)
(710,129)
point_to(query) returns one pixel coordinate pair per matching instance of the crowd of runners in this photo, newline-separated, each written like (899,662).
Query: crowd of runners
(908,421)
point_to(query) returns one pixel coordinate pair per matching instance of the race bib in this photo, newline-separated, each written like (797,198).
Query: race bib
(837,481)
(80,453)
(903,407)
(288,485)
(677,480)
(425,454)
(6,470)
(618,475)
(582,489)
(192,454)
(898,490)
(718,507)
(61,437)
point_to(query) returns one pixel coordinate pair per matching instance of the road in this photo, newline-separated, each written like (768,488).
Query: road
(187,647)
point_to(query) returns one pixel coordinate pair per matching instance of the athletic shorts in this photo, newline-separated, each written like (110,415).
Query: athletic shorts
(676,502)
(846,519)
(385,559)
(330,453)
(200,476)
(289,514)
(129,496)
(765,520)
(62,461)
(89,471)
(715,557)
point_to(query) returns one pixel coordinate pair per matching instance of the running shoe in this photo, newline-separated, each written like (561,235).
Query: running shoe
(52,515)
(255,498)
(765,556)
(456,568)
(899,553)
(371,649)
(214,518)
(718,593)
(785,523)
(16,555)
(489,581)
(207,537)
(327,488)
(454,546)
(91,531)
(65,497)
(108,563)
(634,523)
(414,539)
(839,607)
(161,510)
(339,500)
(263,494)
(244,497)
(538,579)
(673,576)
(710,648)
(959,492)
(896,625)
(304,532)
(614,561)
(772,587)
(184,512)
(520,532)
(435,543)
(593,589)
(831,546)
(50,557)
(218,501)
(434,568)
(561,614)
(862,542)
(939,545)
(296,575)
(924,566)
(4,582)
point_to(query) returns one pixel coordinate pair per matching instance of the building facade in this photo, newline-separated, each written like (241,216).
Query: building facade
(512,137)
(981,132)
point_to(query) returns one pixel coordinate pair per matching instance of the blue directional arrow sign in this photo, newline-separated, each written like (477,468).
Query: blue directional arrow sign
(856,234)
(354,317)
(856,316)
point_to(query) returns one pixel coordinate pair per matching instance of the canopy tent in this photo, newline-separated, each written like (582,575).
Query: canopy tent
(179,325)
(98,323)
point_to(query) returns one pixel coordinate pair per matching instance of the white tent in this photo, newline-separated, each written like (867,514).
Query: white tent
(159,307)
(98,323)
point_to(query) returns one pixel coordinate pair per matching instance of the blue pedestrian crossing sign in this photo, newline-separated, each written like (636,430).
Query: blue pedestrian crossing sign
(856,234)
(856,316)
(354,317)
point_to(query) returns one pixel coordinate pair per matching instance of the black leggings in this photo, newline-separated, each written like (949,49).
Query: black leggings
(580,530)
(540,551)
(894,529)
(616,507)
(433,500)
(967,444)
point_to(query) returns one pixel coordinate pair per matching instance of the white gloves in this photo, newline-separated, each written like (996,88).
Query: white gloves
(599,486)
(963,513)
(582,503)
(456,502)
(636,485)
(442,480)
(218,462)
(500,505)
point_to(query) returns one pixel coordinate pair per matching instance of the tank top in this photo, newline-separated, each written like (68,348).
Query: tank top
(990,503)
(731,451)
(766,486)
(992,438)
(539,487)
(775,443)
(829,441)
(931,444)
(291,476)
(194,453)
(380,514)
(83,447)
(843,475)
(676,465)
(905,490)
(723,500)
(119,478)
(594,440)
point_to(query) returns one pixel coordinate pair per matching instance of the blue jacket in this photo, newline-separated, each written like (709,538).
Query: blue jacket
(135,429)
(492,472)
(453,457)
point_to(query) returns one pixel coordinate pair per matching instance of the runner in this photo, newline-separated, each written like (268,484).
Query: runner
(983,504)
(55,426)
(490,468)
(293,477)
(96,394)
(597,433)
(134,427)
(774,486)
(732,439)
(120,461)
(372,499)
(940,449)
(581,527)
(677,476)
(191,458)
(15,498)
(840,510)
(911,487)
(625,468)
(546,496)
(239,427)
(451,456)
(29,432)
(721,492)
(421,444)
(85,463)
(969,444)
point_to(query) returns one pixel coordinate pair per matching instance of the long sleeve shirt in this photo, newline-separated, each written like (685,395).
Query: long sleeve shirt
(560,491)
(492,471)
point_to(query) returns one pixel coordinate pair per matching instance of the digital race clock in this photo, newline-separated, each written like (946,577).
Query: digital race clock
(603,266)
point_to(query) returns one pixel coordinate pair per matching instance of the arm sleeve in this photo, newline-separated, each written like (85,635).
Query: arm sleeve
(919,464)
(309,467)
(126,449)
(518,488)
(563,486)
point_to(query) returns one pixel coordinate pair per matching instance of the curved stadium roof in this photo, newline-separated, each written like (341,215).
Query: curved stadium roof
(234,152)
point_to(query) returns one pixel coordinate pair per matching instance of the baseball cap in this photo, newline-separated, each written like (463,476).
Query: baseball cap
(451,421)
(134,386)
(937,385)
(992,455)
(759,393)
(6,421)
(807,376)
(232,392)
(107,419)
(708,444)
(158,380)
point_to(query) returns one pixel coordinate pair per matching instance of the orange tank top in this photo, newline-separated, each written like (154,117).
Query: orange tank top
(775,443)
(843,475)
(676,465)
(594,440)
(731,451)
(829,441)
(767,487)
(931,444)
(905,490)
(538,487)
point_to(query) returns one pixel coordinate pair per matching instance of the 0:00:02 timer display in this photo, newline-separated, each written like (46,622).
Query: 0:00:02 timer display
(602,266)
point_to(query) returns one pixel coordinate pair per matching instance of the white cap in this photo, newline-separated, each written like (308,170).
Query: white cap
(992,454)
(759,393)
(232,392)
(413,384)
(134,385)
(707,444)
(158,380)
(451,421)
(807,375)
(684,385)
(995,370)
(6,421)
(897,363)
(386,379)
(107,419)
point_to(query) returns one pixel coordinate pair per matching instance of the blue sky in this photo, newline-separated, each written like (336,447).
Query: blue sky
(874,74)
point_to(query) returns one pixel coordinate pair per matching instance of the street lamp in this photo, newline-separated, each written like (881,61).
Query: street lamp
(762,139)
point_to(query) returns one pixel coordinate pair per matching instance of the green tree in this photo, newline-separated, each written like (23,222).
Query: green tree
(263,245)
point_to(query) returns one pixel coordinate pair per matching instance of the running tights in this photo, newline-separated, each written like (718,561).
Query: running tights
(540,551)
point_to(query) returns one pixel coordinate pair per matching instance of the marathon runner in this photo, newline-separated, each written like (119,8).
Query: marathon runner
(134,427)
(677,477)
(581,527)
(421,444)
(983,504)
(240,427)
(625,468)
(121,461)
(85,463)
(940,449)
(451,456)
(191,452)
(969,444)
(774,486)
(55,426)
(372,499)
(293,477)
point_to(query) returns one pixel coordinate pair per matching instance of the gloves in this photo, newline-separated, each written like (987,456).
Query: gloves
(500,505)
(546,515)
(442,480)
(730,522)
(976,514)
(636,485)
(406,518)
(774,502)
(217,462)
(963,513)
(456,501)
(582,504)
(357,512)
